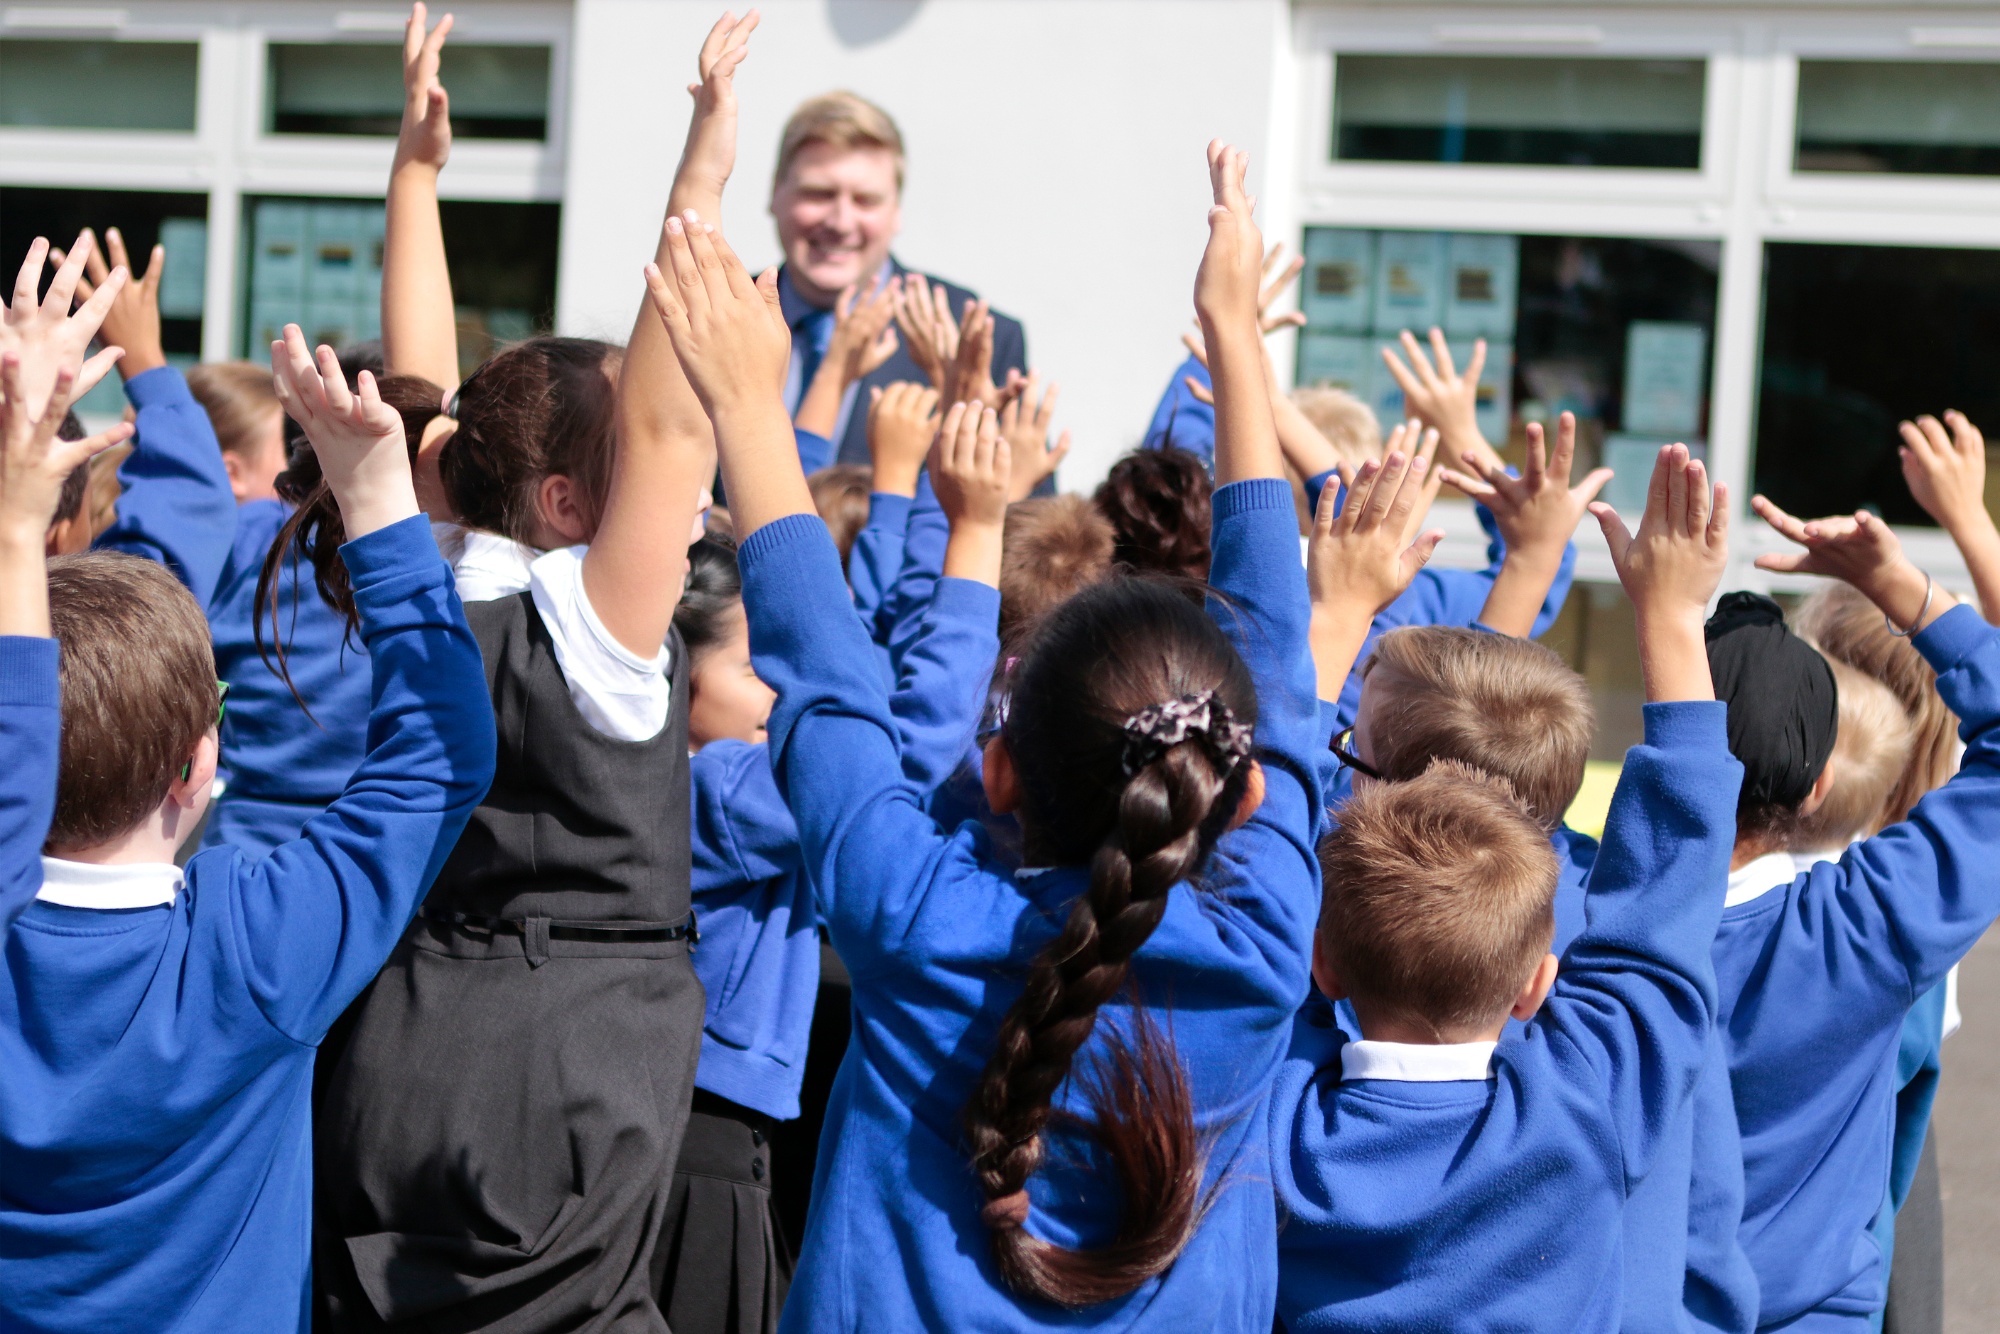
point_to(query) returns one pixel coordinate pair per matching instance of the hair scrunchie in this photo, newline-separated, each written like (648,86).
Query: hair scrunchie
(1157,728)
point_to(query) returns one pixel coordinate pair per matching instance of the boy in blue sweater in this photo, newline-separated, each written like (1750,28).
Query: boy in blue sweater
(1818,970)
(158,1026)
(1445,1171)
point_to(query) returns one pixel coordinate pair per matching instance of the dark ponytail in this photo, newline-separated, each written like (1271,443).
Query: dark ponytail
(714,587)
(314,528)
(1129,728)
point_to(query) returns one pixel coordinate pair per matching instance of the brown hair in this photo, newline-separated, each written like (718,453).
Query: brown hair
(1112,651)
(840,494)
(1508,707)
(1348,424)
(846,121)
(240,402)
(1157,502)
(1052,547)
(1439,898)
(69,501)
(1848,628)
(138,692)
(1870,753)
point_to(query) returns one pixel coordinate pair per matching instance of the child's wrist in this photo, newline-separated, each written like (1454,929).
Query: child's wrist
(896,481)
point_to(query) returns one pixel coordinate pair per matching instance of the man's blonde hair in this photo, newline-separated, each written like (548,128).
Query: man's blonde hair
(1508,707)
(845,121)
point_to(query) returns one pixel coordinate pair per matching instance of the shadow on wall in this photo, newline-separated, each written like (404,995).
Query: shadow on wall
(865,22)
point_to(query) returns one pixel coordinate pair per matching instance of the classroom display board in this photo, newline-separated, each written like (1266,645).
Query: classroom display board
(317,265)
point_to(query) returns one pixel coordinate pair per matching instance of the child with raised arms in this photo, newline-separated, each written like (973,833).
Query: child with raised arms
(1049,1105)
(1446,1170)
(158,1025)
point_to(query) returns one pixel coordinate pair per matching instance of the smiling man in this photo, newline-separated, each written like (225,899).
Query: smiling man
(837,199)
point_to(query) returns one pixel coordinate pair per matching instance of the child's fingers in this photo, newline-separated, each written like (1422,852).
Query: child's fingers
(1677,491)
(62,288)
(114,251)
(667,303)
(1656,486)
(1381,496)
(1045,410)
(1718,518)
(1427,445)
(413,34)
(27,282)
(1419,553)
(60,398)
(90,316)
(687,279)
(1616,535)
(333,382)
(156,268)
(1535,460)
(1056,455)
(300,366)
(1446,368)
(1564,457)
(989,447)
(1196,348)
(1417,485)
(96,368)
(1404,378)
(1326,510)
(1586,491)
(1790,527)
(1697,498)
(1784,562)
(1476,364)
(68,455)
(1467,483)
(1967,436)
(708,262)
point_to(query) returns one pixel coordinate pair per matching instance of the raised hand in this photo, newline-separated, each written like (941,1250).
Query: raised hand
(34,464)
(1434,390)
(727,329)
(923,313)
(133,321)
(902,421)
(1025,422)
(709,155)
(1538,511)
(862,340)
(1947,475)
(357,438)
(971,372)
(970,469)
(425,135)
(1227,285)
(1278,279)
(1361,559)
(46,336)
(1859,549)
(1670,569)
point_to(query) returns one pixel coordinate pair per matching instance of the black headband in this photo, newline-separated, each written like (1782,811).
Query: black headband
(1784,710)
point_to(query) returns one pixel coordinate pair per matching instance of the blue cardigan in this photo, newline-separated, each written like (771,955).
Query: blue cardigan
(176,506)
(281,765)
(1473,1205)
(155,1120)
(759,955)
(30,737)
(1816,978)
(936,937)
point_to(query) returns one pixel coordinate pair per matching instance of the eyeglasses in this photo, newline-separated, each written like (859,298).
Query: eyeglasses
(1341,746)
(221,712)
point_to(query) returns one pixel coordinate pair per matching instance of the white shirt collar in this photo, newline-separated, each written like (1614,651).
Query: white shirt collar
(88,885)
(484,565)
(1416,1063)
(1759,878)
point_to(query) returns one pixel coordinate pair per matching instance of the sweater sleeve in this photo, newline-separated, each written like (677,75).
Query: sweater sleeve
(30,737)
(315,920)
(1182,421)
(927,534)
(1902,907)
(1636,998)
(815,450)
(176,507)
(877,559)
(1265,875)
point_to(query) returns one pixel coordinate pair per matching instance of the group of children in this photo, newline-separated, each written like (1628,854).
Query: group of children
(422,867)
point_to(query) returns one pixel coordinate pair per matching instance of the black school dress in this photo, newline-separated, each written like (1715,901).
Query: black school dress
(498,1124)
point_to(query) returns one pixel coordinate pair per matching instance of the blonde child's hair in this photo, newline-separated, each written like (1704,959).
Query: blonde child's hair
(1870,753)
(1348,424)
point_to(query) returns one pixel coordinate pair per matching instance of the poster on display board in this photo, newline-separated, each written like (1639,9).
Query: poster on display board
(1336,287)
(1409,281)
(1482,276)
(1336,361)
(1666,364)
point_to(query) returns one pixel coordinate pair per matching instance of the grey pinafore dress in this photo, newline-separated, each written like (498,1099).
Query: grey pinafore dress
(500,1112)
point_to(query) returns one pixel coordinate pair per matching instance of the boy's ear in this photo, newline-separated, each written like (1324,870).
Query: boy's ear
(999,777)
(1822,788)
(1536,991)
(1253,797)
(185,792)
(71,536)
(1323,975)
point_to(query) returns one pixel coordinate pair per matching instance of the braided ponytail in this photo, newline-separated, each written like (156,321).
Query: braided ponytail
(1129,726)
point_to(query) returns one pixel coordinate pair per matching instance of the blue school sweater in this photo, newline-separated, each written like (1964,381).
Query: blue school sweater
(877,560)
(155,1118)
(1816,978)
(281,766)
(176,507)
(759,954)
(1480,1205)
(937,938)
(30,738)
(1180,420)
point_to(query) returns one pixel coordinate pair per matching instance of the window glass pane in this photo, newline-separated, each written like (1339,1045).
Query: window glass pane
(1617,331)
(317,263)
(98,85)
(497,92)
(1857,339)
(1545,111)
(1880,115)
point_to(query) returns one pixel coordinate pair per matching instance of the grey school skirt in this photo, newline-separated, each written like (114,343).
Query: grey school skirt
(723,1265)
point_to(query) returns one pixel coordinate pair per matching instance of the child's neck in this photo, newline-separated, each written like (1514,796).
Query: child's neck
(153,840)
(1394,1028)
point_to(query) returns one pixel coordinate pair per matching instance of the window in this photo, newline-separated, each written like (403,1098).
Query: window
(1899,116)
(1616,331)
(1530,111)
(97,85)
(317,263)
(497,92)
(1857,339)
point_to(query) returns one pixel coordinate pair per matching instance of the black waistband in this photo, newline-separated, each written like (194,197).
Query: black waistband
(637,934)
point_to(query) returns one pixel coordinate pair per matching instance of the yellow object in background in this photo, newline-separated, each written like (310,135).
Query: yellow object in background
(1593,800)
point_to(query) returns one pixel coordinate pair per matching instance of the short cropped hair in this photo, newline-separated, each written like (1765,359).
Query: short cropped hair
(240,401)
(840,494)
(1870,751)
(1508,707)
(1439,898)
(844,120)
(1348,424)
(138,692)
(1053,548)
